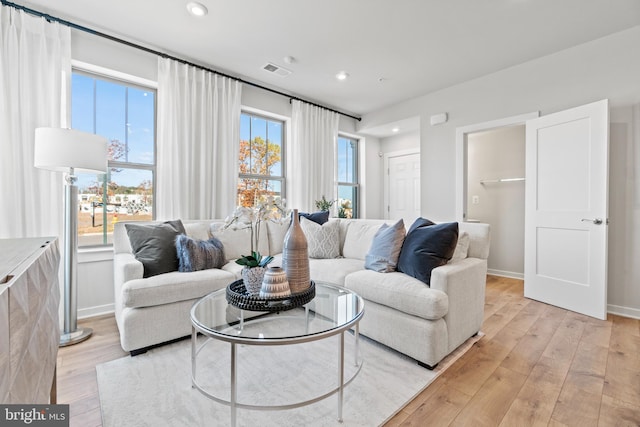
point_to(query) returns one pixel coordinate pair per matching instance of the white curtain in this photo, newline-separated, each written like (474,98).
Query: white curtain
(312,170)
(198,142)
(35,70)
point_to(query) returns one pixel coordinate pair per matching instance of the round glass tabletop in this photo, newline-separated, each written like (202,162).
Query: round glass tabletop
(334,309)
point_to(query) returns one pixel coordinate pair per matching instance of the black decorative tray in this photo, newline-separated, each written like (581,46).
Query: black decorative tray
(238,297)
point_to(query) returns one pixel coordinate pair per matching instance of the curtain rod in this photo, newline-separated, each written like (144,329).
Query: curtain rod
(69,24)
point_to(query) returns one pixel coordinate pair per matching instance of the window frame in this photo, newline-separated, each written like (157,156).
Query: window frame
(113,76)
(356,173)
(283,177)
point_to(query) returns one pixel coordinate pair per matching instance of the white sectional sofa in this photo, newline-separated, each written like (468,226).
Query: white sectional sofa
(424,322)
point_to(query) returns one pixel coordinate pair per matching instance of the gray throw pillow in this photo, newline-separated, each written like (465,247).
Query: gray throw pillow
(385,248)
(154,245)
(194,254)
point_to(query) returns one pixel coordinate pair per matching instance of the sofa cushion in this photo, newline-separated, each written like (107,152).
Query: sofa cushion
(237,242)
(333,270)
(197,230)
(195,254)
(385,249)
(427,247)
(174,286)
(359,236)
(317,217)
(323,241)
(276,232)
(399,291)
(154,245)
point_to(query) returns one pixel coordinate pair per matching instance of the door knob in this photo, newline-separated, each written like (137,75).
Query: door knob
(596,221)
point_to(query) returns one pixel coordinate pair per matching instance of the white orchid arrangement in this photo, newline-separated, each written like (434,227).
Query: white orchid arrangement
(268,208)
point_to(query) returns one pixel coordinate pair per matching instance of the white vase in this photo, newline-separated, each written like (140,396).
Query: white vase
(252,279)
(275,283)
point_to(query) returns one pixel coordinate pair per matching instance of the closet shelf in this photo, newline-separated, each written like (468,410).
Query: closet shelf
(492,181)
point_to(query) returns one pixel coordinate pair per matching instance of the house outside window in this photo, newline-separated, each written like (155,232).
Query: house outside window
(261,159)
(347,203)
(125,114)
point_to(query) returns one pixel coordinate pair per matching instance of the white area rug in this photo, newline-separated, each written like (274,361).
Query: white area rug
(154,389)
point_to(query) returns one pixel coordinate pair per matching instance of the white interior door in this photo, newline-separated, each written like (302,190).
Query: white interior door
(566,209)
(403,192)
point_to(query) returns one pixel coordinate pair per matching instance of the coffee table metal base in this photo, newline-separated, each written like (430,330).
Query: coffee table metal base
(233,402)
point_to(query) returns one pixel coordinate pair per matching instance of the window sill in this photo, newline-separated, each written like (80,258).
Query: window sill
(95,254)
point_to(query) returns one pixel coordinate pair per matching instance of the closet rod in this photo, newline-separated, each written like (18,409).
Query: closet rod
(69,24)
(490,181)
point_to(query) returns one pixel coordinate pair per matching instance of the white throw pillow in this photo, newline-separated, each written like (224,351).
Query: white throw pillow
(323,241)
(462,247)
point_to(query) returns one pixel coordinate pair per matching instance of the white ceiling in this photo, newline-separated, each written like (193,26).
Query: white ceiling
(393,50)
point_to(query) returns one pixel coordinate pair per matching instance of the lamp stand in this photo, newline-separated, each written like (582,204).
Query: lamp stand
(71,334)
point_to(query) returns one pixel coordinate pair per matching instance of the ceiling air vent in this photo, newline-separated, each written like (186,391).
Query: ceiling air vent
(275,69)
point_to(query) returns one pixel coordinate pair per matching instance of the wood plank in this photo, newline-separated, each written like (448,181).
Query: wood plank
(622,379)
(537,398)
(492,401)
(529,349)
(614,412)
(440,410)
(579,400)
(480,365)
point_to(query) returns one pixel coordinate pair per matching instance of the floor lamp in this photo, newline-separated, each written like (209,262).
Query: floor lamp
(70,151)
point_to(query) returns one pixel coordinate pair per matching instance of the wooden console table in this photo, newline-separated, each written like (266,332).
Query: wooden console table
(29,327)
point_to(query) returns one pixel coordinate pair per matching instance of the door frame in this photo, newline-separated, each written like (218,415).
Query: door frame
(387,156)
(461,154)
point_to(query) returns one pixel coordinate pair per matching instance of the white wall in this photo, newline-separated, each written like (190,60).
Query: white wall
(402,142)
(492,155)
(605,68)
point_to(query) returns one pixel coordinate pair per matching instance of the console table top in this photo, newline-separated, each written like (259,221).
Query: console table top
(14,252)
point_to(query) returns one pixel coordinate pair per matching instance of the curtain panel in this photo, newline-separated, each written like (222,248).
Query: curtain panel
(35,72)
(198,142)
(312,154)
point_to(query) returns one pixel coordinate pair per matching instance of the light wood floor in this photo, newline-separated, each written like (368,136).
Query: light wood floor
(536,365)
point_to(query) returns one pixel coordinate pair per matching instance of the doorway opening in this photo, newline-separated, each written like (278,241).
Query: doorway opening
(491,187)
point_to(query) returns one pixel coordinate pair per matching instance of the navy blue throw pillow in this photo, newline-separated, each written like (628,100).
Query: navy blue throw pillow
(317,217)
(420,222)
(426,247)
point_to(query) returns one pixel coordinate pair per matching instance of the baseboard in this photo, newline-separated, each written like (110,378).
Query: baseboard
(502,273)
(634,313)
(98,310)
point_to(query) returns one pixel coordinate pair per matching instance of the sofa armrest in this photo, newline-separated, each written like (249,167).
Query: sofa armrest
(464,282)
(125,268)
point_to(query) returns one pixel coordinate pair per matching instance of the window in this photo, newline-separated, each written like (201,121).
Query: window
(124,113)
(347,177)
(261,159)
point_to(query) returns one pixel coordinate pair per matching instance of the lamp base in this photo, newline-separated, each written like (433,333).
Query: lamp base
(75,337)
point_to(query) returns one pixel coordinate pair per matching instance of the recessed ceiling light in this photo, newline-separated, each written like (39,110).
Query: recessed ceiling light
(197,9)
(342,75)
(395,130)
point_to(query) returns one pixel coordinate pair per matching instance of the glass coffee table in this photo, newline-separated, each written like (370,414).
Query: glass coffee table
(333,311)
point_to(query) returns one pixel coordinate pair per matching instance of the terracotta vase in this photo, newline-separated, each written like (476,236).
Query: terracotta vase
(252,279)
(275,283)
(295,259)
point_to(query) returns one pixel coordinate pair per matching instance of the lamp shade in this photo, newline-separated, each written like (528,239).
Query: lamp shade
(60,149)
